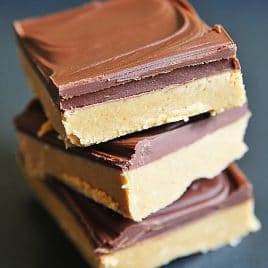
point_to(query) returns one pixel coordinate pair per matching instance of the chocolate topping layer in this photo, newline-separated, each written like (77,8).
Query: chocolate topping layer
(102,45)
(176,77)
(109,231)
(137,149)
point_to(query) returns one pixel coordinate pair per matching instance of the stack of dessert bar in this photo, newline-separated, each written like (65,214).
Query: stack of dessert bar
(140,112)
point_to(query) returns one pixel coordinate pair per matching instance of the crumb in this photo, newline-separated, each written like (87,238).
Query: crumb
(44,129)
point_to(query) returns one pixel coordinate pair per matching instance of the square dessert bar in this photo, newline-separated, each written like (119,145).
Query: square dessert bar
(210,214)
(105,70)
(140,173)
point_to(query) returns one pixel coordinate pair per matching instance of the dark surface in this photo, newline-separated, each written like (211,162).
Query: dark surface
(29,238)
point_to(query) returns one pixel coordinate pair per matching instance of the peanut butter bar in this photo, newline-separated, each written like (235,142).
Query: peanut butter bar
(140,173)
(105,70)
(211,214)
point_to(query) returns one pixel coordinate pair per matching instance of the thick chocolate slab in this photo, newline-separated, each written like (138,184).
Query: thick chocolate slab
(137,149)
(96,50)
(108,231)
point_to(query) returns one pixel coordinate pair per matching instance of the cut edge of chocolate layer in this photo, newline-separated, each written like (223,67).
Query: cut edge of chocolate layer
(134,88)
(109,231)
(134,150)
(173,78)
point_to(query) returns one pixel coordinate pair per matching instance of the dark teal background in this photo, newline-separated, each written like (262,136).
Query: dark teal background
(29,238)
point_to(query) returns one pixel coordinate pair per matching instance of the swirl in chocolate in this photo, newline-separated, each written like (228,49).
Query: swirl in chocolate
(101,45)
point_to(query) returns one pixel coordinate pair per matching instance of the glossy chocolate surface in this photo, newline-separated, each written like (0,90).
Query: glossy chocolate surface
(93,48)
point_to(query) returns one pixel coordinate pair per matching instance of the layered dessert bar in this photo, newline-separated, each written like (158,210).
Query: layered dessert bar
(212,213)
(140,173)
(105,70)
